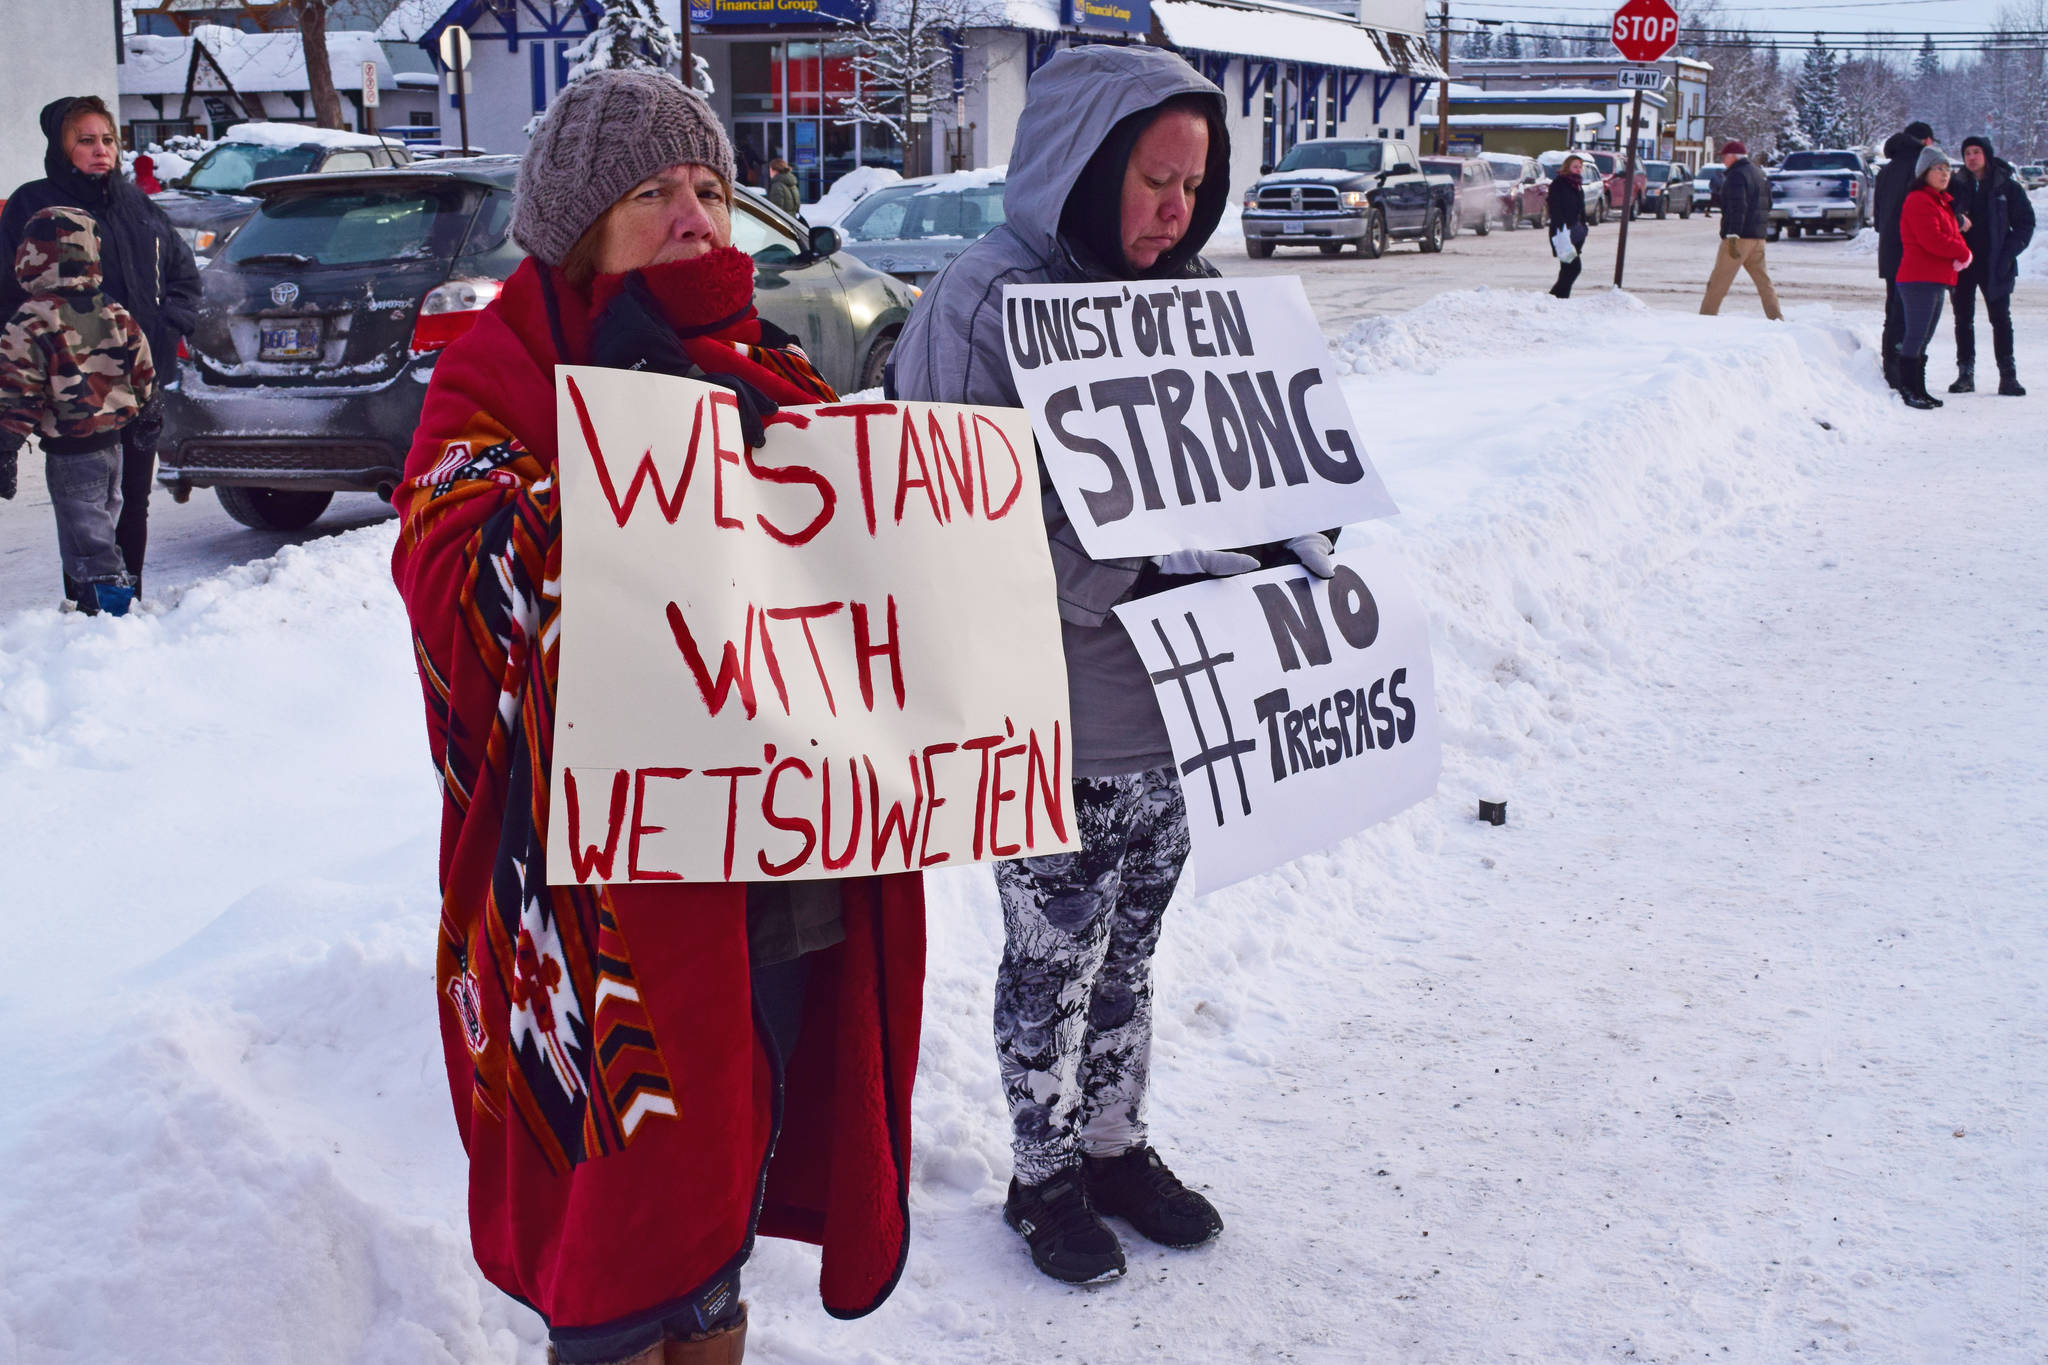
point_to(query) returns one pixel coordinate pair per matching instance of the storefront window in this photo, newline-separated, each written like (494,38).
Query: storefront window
(804,81)
(756,79)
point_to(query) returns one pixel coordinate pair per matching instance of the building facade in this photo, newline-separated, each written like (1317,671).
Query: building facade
(1494,85)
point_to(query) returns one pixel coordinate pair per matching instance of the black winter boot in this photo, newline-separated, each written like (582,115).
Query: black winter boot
(1892,379)
(1067,1240)
(2009,383)
(1138,1188)
(1966,380)
(1914,390)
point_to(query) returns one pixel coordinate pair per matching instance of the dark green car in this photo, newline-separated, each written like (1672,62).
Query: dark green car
(321,320)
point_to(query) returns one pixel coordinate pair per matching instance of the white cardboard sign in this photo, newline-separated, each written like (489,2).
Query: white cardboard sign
(834,656)
(1301,709)
(1187,414)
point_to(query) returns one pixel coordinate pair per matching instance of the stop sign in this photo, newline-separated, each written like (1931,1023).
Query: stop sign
(1645,30)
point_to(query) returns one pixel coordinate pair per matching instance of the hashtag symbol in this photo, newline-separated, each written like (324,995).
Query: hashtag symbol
(1210,755)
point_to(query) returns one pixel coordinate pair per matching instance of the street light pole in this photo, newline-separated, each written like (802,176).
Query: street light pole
(1628,192)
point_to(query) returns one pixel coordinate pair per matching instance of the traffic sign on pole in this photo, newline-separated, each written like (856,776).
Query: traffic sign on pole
(455,46)
(1645,30)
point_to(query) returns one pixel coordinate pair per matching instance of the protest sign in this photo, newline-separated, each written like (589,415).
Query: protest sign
(1187,414)
(1301,709)
(833,656)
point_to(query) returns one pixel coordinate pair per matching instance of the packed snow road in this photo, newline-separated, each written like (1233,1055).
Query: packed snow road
(1731,1044)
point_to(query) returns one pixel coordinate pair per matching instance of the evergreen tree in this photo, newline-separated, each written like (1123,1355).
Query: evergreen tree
(1546,44)
(1510,44)
(1817,97)
(1479,43)
(1927,62)
(628,35)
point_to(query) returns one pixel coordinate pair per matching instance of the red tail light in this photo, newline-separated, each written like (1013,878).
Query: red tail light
(450,310)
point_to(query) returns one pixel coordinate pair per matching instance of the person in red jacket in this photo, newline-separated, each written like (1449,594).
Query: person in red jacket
(1932,252)
(645,1075)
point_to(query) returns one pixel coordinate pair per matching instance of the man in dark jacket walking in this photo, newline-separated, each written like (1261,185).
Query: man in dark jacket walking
(1745,213)
(1886,200)
(146,268)
(1998,223)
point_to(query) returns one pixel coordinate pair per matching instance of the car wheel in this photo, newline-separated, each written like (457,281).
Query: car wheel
(1685,213)
(273,509)
(1483,226)
(1433,235)
(877,371)
(1662,210)
(1510,221)
(1600,215)
(1373,245)
(1257,248)
(1771,233)
(1330,248)
(1793,232)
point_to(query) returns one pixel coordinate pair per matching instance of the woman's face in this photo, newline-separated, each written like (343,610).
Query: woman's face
(1166,167)
(674,215)
(1572,165)
(90,144)
(1937,176)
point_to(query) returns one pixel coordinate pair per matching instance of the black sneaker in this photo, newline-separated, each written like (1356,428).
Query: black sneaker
(1067,1240)
(1138,1188)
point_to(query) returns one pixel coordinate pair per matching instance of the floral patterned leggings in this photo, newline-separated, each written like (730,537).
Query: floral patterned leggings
(1074,993)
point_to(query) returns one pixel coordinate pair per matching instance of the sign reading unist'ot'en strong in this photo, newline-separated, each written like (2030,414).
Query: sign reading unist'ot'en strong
(1187,414)
(1301,709)
(833,656)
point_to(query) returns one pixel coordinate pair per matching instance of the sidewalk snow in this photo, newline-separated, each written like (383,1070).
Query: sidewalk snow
(1729,1045)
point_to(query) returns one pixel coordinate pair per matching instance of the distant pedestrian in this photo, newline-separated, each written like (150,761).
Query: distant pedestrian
(1894,182)
(144,263)
(1745,212)
(145,175)
(1998,222)
(783,190)
(75,373)
(1567,224)
(1933,252)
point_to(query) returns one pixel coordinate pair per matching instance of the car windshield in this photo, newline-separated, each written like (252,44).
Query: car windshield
(1606,161)
(1657,170)
(357,227)
(1443,165)
(232,165)
(1819,161)
(1332,156)
(919,213)
(1712,174)
(1504,169)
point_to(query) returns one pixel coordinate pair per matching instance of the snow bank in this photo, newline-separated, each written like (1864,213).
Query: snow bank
(848,190)
(228,1135)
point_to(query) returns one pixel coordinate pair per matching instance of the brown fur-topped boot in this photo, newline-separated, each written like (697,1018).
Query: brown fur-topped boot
(723,1347)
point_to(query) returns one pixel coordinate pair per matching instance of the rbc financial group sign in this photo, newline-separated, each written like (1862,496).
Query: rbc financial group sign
(1107,16)
(714,12)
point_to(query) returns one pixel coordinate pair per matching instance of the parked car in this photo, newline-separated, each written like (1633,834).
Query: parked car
(321,320)
(2032,177)
(912,229)
(209,202)
(1329,192)
(1475,203)
(1523,188)
(1706,188)
(1612,167)
(1669,187)
(1826,191)
(1591,182)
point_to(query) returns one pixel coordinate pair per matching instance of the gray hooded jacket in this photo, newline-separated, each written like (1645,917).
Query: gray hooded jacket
(952,352)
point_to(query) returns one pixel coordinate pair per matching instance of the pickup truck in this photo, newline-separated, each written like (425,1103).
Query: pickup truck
(1363,191)
(1820,192)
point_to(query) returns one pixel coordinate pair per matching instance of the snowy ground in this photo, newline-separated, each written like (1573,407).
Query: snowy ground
(1730,1045)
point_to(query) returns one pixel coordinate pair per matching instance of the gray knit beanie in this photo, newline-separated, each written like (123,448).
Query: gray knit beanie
(1930,157)
(602,136)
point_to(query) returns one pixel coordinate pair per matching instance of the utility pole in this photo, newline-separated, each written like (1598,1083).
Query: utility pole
(1628,191)
(1443,92)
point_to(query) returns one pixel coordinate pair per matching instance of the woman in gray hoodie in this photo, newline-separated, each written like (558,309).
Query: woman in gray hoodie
(1121,172)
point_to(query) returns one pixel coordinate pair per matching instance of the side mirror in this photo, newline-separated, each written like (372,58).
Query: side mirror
(1266,168)
(824,242)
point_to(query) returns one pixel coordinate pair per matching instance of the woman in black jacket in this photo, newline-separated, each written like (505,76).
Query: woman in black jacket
(1567,218)
(146,267)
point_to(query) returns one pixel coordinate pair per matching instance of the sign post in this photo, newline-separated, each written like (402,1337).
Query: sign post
(1643,31)
(455,56)
(369,97)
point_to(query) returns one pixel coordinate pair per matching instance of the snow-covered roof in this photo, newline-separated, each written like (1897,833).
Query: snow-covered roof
(1289,33)
(1563,121)
(255,63)
(1463,92)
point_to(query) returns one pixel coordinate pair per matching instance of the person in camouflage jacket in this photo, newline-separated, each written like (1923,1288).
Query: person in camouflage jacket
(75,371)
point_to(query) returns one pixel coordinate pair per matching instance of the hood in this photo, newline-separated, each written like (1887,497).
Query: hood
(93,189)
(1901,145)
(1070,108)
(59,252)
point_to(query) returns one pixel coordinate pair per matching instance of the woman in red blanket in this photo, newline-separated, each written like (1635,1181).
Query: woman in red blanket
(644,1076)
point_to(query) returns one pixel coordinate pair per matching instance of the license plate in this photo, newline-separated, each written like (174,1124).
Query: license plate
(290,341)
(1806,213)
(1293,227)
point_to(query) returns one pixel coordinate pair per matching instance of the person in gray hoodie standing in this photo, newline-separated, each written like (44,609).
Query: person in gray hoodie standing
(1121,173)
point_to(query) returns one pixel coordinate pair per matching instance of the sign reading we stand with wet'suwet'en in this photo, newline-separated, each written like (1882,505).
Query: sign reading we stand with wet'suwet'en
(1187,414)
(833,656)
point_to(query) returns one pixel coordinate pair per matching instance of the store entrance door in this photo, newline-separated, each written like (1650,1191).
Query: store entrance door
(756,142)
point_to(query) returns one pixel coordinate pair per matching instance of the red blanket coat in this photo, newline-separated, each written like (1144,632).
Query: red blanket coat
(616,1099)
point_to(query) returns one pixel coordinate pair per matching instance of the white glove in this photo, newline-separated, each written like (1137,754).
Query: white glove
(1314,551)
(1214,563)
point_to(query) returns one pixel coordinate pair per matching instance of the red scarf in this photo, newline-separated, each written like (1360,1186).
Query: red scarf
(709,299)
